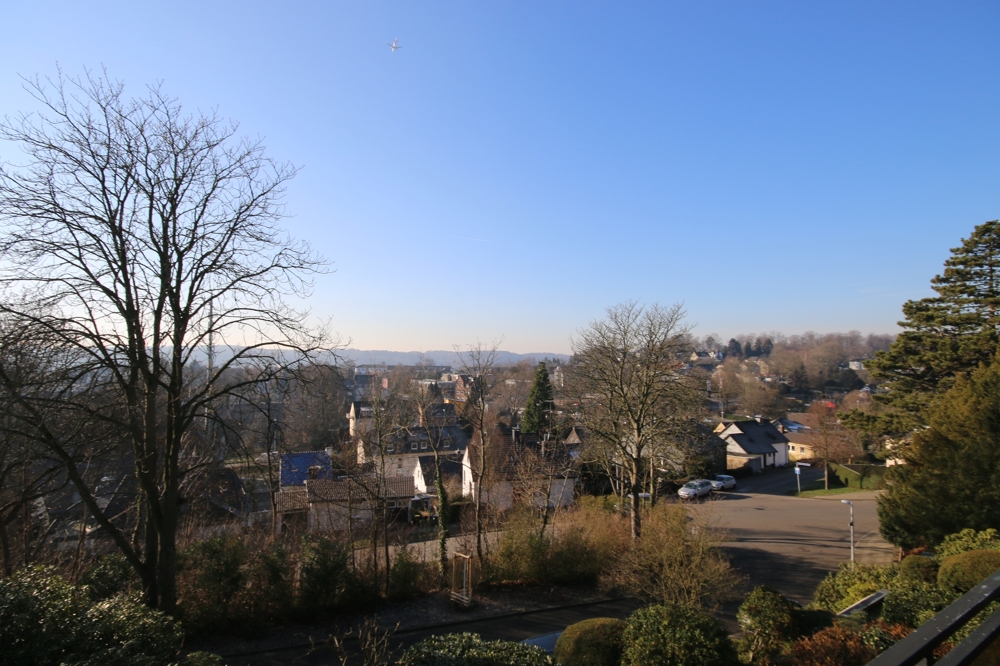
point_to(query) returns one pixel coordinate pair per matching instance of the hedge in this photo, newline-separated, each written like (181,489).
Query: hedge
(471,650)
(964,571)
(676,636)
(865,477)
(593,642)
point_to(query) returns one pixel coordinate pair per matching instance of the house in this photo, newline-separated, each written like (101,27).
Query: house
(757,439)
(521,465)
(326,505)
(424,473)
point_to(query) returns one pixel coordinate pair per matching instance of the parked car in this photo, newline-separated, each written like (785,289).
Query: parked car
(695,489)
(723,482)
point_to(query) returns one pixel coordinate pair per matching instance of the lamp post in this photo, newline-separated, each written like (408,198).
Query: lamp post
(851,504)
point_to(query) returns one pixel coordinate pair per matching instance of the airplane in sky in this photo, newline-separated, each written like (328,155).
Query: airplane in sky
(394,45)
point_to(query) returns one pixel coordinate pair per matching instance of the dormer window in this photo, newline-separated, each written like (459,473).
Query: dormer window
(413,446)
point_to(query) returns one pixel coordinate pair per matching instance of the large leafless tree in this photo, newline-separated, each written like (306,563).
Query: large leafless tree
(145,235)
(627,370)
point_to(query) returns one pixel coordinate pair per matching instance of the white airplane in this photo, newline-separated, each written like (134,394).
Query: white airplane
(394,45)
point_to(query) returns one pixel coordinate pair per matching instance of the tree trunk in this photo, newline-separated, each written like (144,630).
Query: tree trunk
(8,564)
(636,483)
(442,524)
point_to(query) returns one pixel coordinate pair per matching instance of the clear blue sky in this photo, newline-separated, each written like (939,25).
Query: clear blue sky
(518,166)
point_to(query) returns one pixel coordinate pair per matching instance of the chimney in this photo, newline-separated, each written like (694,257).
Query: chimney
(314,472)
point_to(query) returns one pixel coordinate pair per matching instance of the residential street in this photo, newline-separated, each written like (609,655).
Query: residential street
(785,542)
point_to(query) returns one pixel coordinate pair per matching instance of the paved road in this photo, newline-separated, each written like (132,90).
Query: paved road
(786,542)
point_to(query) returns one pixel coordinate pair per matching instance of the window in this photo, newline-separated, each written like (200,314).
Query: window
(423,446)
(413,446)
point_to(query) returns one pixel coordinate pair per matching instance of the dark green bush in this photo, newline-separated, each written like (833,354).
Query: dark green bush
(229,586)
(44,620)
(676,636)
(325,576)
(408,576)
(471,650)
(915,603)
(842,588)
(917,569)
(964,571)
(768,623)
(593,642)
(110,575)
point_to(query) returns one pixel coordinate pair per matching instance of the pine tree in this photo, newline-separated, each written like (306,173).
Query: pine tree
(945,335)
(539,401)
(734,348)
(951,479)
(747,350)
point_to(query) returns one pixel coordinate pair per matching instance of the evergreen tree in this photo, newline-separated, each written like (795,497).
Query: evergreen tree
(768,346)
(734,348)
(747,350)
(951,479)
(758,347)
(945,335)
(539,401)
(799,378)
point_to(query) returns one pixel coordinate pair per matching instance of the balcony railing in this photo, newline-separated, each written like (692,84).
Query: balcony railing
(918,647)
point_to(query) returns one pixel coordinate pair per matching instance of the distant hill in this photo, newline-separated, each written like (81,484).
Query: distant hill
(435,357)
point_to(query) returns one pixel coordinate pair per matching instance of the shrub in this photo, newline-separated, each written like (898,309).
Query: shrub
(230,586)
(324,575)
(44,620)
(110,575)
(966,540)
(471,650)
(594,642)
(408,577)
(675,562)
(964,571)
(917,569)
(915,603)
(879,636)
(834,646)
(842,588)
(675,636)
(768,622)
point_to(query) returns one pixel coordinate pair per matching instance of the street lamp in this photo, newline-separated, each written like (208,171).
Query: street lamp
(851,504)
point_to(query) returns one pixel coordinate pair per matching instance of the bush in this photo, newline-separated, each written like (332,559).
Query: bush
(966,540)
(44,620)
(676,636)
(879,636)
(917,569)
(835,646)
(768,623)
(594,642)
(471,650)
(964,571)
(675,562)
(110,575)
(325,574)
(915,603)
(230,586)
(408,577)
(849,585)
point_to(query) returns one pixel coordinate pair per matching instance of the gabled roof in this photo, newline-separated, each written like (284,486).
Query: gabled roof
(295,466)
(757,437)
(343,490)
(292,499)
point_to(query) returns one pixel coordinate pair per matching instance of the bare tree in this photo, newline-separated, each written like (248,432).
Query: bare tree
(830,439)
(149,235)
(627,367)
(478,363)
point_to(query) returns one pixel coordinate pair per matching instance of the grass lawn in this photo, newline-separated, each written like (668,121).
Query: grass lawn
(815,489)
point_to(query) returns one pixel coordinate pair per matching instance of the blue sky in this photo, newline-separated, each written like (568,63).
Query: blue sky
(516,167)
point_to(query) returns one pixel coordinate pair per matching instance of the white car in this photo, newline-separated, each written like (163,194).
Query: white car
(695,489)
(723,482)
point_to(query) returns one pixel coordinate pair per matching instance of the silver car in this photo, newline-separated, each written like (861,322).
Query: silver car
(723,482)
(695,489)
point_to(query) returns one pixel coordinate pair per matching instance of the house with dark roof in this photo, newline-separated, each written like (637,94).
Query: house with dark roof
(756,444)
(297,468)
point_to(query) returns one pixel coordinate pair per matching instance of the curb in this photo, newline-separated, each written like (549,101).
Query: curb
(436,625)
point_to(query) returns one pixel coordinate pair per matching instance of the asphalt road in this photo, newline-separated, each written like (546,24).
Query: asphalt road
(774,539)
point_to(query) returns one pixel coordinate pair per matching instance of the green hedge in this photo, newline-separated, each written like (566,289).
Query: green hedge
(471,650)
(676,636)
(964,571)
(917,569)
(593,642)
(865,477)
(45,620)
